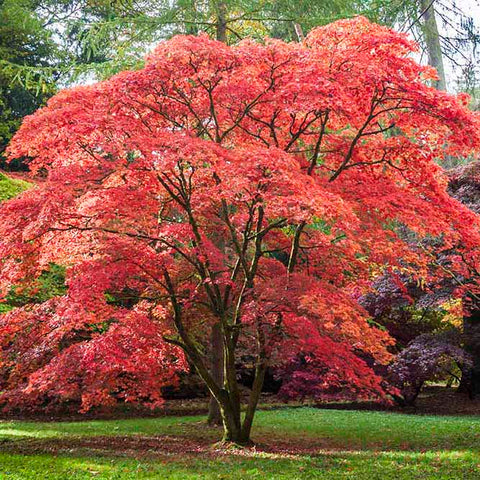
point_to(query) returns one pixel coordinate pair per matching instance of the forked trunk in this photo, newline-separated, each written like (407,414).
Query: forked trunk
(230,419)
(234,431)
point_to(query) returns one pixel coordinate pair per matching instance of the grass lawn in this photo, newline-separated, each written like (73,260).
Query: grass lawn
(292,443)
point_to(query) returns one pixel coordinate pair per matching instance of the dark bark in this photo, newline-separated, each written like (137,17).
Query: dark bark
(229,399)
(231,424)
(411,397)
(253,402)
(408,395)
(214,414)
(465,382)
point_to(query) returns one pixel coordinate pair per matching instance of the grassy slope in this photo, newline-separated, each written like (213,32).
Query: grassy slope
(293,444)
(9,187)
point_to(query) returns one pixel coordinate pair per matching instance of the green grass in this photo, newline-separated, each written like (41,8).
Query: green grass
(293,443)
(10,187)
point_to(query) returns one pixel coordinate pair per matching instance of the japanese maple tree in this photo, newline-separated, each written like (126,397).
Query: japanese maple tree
(257,187)
(428,357)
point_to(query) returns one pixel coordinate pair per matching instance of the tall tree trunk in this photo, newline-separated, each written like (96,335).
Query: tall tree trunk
(216,367)
(299,32)
(230,402)
(432,41)
(221,8)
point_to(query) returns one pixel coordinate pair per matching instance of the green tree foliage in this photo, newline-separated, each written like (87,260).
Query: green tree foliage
(101,37)
(97,38)
(26,48)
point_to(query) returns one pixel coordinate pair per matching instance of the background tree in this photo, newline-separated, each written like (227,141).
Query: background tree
(410,310)
(464,186)
(426,358)
(447,33)
(103,37)
(24,46)
(431,37)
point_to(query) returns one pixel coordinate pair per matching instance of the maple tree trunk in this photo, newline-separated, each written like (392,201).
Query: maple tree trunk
(464,386)
(233,429)
(214,414)
(227,398)
(253,402)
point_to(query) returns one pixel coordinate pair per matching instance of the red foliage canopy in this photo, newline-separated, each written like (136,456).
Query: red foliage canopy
(260,186)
